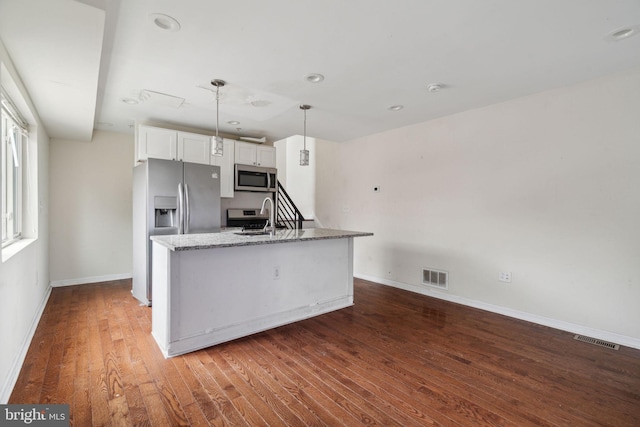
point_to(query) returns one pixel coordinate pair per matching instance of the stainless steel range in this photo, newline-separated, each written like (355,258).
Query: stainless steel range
(248,219)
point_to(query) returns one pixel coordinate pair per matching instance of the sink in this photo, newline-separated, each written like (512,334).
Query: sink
(252,233)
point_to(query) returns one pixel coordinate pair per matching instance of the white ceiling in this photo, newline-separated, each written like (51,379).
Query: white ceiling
(80,59)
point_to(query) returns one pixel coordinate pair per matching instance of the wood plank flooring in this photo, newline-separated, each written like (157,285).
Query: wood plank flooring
(394,358)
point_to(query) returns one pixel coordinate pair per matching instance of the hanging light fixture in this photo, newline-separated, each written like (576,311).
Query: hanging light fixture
(217,145)
(304,153)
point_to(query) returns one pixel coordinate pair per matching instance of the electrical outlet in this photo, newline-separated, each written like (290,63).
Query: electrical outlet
(505,276)
(276,273)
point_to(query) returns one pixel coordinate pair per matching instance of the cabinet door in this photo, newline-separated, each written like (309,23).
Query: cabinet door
(245,153)
(156,143)
(266,156)
(227,170)
(194,148)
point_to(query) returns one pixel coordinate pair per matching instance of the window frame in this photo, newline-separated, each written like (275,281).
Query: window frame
(14,133)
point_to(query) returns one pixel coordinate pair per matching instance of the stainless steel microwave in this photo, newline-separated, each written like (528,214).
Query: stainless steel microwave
(255,178)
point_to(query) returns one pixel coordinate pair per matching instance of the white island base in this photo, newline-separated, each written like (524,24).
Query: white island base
(203,297)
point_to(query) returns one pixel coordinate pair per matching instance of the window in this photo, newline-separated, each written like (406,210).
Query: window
(14,136)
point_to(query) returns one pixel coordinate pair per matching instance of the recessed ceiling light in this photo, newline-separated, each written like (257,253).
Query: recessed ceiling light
(435,87)
(260,103)
(314,78)
(395,107)
(233,122)
(622,33)
(165,22)
(130,101)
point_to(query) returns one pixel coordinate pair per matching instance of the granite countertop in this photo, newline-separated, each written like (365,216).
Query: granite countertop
(228,238)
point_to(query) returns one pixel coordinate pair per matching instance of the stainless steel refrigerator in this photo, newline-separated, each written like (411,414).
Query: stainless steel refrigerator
(170,197)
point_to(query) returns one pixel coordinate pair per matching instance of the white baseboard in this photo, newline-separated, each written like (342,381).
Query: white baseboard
(16,366)
(94,279)
(533,318)
(309,223)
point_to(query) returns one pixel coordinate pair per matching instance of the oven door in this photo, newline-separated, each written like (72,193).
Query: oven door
(255,178)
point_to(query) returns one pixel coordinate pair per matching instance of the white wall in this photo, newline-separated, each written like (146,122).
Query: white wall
(91,225)
(24,276)
(544,186)
(298,181)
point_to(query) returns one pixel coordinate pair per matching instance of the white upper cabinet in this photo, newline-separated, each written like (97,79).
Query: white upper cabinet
(156,143)
(253,154)
(194,148)
(226,162)
(159,143)
(245,153)
(266,156)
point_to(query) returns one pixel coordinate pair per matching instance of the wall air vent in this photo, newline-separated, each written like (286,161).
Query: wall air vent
(597,342)
(436,278)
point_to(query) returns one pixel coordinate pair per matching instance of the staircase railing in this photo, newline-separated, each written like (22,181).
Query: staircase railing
(287,213)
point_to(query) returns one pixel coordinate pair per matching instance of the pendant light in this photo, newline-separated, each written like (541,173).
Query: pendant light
(304,153)
(217,146)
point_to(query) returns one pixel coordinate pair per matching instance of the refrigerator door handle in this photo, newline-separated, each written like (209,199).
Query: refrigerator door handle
(187,210)
(180,209)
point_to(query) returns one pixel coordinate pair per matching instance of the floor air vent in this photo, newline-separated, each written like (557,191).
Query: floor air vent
(436,278)
(597,342)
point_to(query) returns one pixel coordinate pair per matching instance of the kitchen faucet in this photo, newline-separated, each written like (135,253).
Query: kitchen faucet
(270,226)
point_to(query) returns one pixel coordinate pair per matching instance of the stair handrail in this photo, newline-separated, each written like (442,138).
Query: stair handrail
(287,211)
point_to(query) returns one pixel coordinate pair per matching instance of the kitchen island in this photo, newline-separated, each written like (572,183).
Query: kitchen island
(212,288)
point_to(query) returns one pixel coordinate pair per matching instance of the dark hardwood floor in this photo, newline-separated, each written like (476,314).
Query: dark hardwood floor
(394,358)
